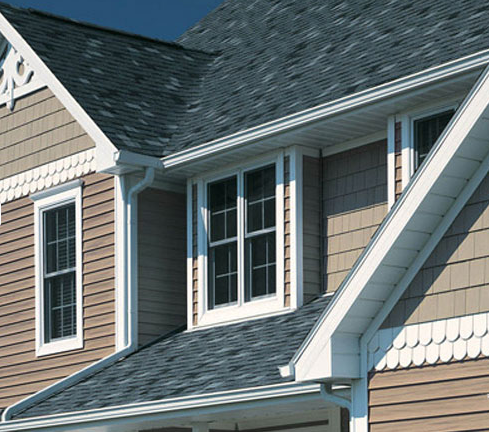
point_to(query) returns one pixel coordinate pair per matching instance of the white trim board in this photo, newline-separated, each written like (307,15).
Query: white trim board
(438,191)
(439,341)
(44,201)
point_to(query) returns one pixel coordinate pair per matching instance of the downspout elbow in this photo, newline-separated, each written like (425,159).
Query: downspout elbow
(328,396)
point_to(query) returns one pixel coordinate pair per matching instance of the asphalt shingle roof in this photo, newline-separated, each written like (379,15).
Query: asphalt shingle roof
(211,360)
(136,89)
(257,61)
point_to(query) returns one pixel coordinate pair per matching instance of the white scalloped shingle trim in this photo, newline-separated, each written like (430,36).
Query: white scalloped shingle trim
(443,340)
(47,175)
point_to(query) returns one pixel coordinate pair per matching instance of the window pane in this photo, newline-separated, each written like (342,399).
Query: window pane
(259,282)
(260,266)
(255,217)
(217,227)
(217,196)
(231,222)
(269,213)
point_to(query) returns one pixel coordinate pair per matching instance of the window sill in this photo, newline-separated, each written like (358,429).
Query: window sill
(68,344)
(258,308)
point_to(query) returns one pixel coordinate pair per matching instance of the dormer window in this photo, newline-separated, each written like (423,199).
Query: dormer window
(426,131)
(241,226)
(238,242)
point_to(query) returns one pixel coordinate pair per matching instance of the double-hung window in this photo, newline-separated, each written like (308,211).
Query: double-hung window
(58,269)
(241,231)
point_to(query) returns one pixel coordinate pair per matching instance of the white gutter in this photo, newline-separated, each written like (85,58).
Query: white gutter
(169,409)
(129,310)
(338,106)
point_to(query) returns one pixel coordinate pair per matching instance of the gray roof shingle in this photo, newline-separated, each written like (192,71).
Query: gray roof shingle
(211,360)
(136,89)
(256,61)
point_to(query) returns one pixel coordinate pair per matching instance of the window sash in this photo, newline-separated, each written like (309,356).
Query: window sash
(244,292)
(56,329)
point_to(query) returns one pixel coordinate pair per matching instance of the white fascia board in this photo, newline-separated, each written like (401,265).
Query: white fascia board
(168,409)
(104,147)
(356,100)
(317,342)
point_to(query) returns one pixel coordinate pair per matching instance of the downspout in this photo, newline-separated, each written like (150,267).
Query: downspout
(328,396)
(130,303)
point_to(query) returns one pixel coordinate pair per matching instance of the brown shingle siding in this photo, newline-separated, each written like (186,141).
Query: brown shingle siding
(455,277)
(354,205)
(39,130)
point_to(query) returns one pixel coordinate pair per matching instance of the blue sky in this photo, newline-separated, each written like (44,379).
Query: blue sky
(163,19)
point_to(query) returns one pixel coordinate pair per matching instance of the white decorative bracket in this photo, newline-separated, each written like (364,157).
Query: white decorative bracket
(17,79)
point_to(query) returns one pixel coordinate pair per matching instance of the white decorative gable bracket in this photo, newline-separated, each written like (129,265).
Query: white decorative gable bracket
(17,77)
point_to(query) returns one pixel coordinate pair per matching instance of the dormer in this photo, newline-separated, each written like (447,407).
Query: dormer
(246,232)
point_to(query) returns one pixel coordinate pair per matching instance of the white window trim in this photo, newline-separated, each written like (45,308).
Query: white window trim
(46,200)
(260,306)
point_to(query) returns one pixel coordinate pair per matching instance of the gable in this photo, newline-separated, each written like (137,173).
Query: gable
(453,281)
(38,130)
(441,187)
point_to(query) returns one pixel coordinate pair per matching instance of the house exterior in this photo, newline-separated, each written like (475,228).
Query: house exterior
(279,222)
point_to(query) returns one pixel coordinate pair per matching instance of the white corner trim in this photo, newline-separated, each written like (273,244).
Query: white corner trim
(445,340)
(46,176)
(47,200)
(391,161)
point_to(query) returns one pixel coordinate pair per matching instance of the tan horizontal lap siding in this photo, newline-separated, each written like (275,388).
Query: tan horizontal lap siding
(162,263)
(454,281)
(398,160)
(21,372)
(287,245)
(39,130)
(354,205)
(439,398)
(195,260)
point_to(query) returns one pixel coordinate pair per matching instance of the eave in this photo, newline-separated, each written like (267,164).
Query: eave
(219,408)
(338,121)
(441,187)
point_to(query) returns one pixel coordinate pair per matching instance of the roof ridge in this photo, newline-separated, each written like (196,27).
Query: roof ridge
(105,28)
